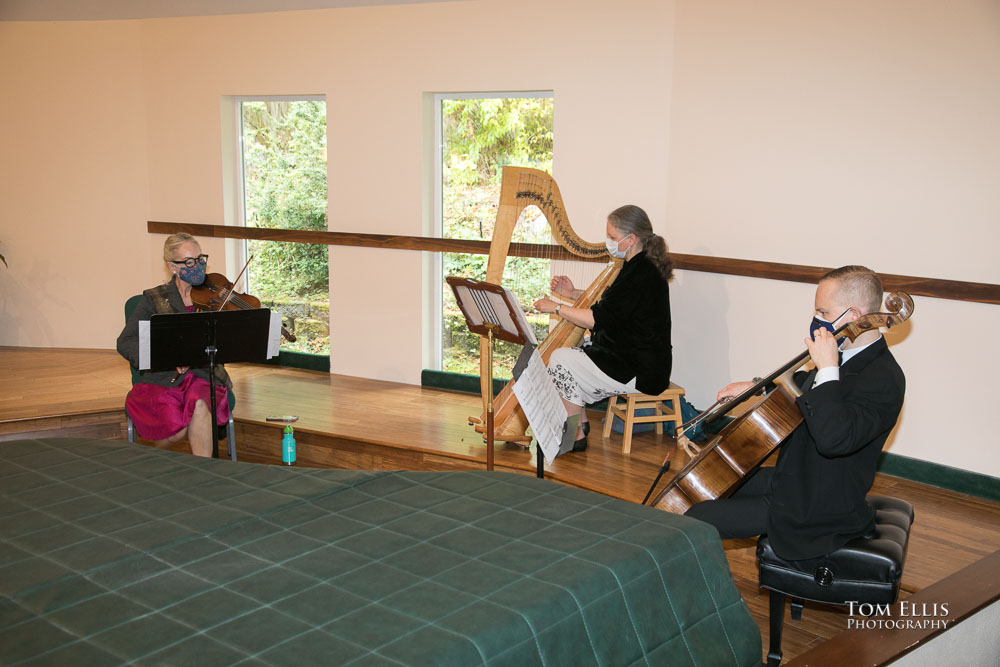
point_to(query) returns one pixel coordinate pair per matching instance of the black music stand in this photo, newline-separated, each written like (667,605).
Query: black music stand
(208,338)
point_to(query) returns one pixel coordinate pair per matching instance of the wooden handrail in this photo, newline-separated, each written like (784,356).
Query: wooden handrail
(957,290)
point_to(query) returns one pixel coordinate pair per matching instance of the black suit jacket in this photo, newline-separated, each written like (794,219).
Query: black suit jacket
(827,466)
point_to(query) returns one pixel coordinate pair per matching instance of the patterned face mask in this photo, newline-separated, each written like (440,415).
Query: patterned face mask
(193,275)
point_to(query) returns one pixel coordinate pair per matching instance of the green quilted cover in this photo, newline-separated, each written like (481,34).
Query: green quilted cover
(113,553)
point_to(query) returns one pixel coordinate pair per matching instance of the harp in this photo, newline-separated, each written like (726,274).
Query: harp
(522,187)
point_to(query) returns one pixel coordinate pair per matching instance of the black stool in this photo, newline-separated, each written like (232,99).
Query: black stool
(865,570)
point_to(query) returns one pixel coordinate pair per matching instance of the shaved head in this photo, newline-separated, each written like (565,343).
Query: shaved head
(857,286)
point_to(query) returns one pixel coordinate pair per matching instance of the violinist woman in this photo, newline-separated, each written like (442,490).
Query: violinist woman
(629,348)
(169,406)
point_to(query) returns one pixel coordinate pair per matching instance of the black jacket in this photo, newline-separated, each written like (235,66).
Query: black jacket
(128,340)
(631,333)
(827,466)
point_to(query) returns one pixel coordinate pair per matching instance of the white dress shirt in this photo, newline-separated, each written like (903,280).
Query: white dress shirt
(833,372)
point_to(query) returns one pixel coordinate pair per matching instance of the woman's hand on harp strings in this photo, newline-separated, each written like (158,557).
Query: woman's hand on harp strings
(546,305)
(581,317)
(563,286)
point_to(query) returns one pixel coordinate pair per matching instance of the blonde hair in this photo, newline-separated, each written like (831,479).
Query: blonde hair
(170,246)
(175,241)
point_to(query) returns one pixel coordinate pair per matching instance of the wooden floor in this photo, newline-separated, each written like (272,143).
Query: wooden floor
(349,422)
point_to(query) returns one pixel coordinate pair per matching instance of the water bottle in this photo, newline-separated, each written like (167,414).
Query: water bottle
(288,446)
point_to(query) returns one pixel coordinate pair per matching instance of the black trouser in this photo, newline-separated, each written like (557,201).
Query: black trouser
(743,514)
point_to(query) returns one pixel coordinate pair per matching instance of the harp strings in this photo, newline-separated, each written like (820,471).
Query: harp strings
(528,277)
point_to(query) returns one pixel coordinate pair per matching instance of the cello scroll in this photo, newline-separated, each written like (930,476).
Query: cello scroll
(900,307)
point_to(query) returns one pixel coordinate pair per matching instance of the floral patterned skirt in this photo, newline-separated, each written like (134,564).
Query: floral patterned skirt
(579,380)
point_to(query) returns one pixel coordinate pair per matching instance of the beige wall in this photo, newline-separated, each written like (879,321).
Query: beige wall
(745,129)
(73,181)
(374,66)
(837,133)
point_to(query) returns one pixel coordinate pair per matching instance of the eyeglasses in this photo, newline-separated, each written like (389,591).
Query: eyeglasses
(191,261)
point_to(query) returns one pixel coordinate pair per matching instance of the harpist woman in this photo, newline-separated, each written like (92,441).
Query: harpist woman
(629,348)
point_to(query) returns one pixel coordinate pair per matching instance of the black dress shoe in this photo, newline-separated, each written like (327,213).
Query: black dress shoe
(580,445)
(586,429)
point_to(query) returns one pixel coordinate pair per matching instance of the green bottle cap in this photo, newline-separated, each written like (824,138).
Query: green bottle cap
(288,429)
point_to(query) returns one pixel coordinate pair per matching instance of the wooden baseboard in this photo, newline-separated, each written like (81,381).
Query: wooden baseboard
(260,443)
(106,425)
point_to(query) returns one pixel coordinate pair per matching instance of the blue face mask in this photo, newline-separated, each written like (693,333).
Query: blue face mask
(194,275)
(819,323)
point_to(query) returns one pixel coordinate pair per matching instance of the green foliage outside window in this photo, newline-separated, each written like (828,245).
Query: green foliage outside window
(285,176)
(481,136)
(284,162)
(285,188)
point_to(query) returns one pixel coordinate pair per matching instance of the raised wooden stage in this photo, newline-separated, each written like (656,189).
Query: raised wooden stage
(353,423)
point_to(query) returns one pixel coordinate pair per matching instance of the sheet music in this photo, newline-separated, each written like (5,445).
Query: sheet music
(519,313)
(489,307)
(469,305)
(143,345)
(274,335)
(541,403)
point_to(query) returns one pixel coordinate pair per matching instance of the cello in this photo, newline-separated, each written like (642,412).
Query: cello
(721,465)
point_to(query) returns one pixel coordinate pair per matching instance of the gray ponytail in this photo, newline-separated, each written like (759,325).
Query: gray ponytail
(631,219)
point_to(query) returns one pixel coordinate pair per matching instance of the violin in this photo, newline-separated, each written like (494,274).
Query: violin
(721,465)
(216,293)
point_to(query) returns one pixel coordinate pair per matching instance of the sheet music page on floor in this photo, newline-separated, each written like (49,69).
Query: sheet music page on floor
(541,403)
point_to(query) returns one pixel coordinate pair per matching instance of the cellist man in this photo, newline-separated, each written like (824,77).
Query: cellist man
(813,500)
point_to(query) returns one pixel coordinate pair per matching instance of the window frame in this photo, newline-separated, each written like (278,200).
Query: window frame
(436,356)
(240,210)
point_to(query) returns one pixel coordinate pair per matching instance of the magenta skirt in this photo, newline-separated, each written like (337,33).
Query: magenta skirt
(160,412)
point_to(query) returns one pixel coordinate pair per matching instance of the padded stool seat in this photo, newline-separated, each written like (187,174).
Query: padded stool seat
(638,401)
(866,569)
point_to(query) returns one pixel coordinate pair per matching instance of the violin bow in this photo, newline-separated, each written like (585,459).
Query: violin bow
(233,288)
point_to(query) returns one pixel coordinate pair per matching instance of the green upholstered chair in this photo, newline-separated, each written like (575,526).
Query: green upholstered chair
(230,430)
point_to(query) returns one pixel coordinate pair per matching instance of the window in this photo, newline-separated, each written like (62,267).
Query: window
(283,186)
(479,134)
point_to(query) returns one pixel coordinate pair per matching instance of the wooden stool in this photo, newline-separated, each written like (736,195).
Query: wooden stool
(635,402)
